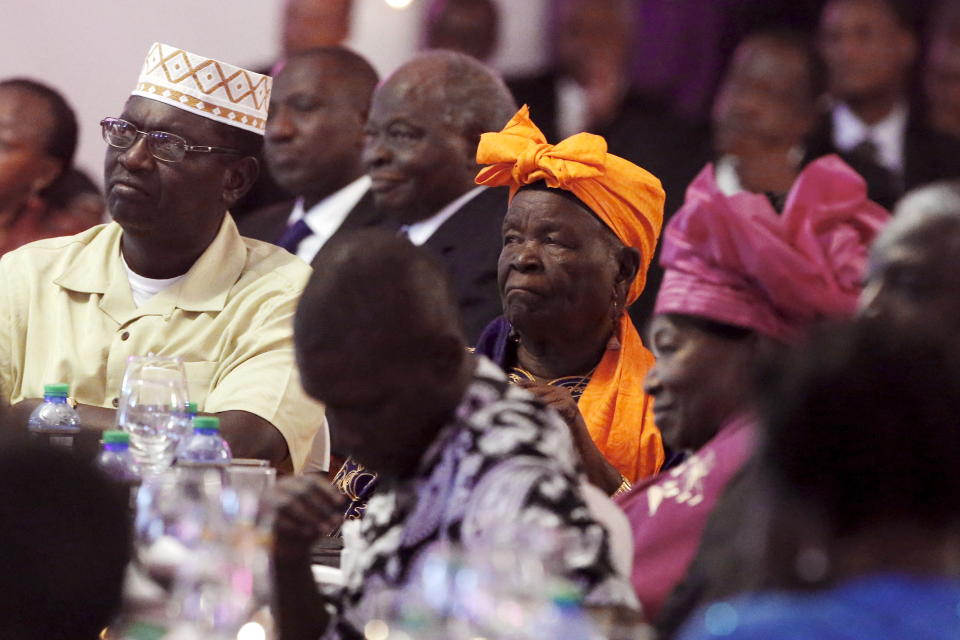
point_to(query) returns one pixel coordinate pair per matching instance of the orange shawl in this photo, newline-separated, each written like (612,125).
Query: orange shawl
(629,200)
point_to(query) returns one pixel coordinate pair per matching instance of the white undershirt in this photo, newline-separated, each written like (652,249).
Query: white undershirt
(887,135)
(420,232)
(145,288)
(325,217)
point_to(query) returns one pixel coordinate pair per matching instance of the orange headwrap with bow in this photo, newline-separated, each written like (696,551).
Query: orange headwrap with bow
(629,200)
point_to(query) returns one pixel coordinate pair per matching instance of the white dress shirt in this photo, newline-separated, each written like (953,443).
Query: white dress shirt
(325,217)
(420,232)
(887,135)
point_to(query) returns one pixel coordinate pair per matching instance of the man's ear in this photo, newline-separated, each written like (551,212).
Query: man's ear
(239,179)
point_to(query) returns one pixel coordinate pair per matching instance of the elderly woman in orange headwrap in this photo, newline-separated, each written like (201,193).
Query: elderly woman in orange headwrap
(578,236)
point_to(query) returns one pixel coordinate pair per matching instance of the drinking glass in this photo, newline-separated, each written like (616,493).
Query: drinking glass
(152,404)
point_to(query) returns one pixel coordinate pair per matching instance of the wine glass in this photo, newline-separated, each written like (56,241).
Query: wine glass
(151,409)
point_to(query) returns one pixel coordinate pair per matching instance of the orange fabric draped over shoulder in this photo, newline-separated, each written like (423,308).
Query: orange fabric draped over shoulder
(629,200)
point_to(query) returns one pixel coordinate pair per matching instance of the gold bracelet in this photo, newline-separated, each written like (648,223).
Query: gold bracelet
(623,488)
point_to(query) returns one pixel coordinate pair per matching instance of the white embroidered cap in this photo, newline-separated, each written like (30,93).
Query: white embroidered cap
(206,87)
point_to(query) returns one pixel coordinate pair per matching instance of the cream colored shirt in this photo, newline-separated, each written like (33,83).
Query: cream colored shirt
(67,315)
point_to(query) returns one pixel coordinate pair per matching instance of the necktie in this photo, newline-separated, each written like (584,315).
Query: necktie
(294,234)
(866,151)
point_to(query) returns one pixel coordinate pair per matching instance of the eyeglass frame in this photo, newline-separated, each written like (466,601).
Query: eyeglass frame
(187,147)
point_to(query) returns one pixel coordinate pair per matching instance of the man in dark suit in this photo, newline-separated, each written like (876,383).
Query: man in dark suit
(313,144)
(870,47)
(420,153)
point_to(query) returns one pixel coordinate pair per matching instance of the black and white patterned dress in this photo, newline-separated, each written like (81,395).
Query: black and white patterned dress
(505,462)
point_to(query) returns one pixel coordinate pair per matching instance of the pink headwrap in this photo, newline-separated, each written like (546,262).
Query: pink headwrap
(735,260)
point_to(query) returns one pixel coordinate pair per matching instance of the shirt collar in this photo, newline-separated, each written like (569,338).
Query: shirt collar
(420,232)
(98,268)
(325,217)
(849,131)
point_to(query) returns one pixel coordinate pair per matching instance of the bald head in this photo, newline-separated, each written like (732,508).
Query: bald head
(472,96)
(914,262)
(424,127)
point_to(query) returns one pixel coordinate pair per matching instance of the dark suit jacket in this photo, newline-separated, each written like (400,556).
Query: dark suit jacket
(928,156)
(468,243)
(269,223)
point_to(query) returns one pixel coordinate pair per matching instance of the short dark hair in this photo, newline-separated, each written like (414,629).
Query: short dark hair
(861,422)
(802,44)
(355,70)
(61,140)
(373,286)
(66,537)
(903,12)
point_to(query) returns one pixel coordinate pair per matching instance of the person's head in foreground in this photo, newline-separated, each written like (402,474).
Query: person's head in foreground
(578,236)
(422,134)
(318,107)
(38,137)
(742,277)
(65,542)
(858,472)
(378,342)
(914,262)
(174,167)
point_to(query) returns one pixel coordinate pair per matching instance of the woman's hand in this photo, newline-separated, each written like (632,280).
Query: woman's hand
(599,471)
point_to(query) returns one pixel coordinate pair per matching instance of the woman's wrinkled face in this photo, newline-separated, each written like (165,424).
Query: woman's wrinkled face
(700,380)
(557,267)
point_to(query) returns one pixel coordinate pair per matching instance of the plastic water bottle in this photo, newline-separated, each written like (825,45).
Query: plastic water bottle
(116,459)
(54,421)
(205,446)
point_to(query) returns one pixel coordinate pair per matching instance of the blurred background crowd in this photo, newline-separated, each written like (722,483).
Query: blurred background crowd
(813,467)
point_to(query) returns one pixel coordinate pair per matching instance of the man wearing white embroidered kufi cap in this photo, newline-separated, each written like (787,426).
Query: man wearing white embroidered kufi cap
(170,275)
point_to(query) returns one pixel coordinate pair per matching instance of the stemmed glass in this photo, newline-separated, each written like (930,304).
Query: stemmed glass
(153,398)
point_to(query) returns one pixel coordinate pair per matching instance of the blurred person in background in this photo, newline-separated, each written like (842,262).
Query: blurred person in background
(308,24)
(468,26)
(742,279)
(313,145)
(588,89)
(870,47)
(765,109)
(39,190)
(858,491)
(65,541)
(305,25)
(941,76)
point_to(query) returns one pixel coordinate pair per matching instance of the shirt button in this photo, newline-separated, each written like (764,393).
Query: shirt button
(124,335)
(116,402)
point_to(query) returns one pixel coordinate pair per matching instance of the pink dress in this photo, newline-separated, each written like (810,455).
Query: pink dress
(668,512)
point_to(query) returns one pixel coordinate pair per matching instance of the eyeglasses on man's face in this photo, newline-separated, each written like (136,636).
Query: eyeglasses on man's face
(168,147)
